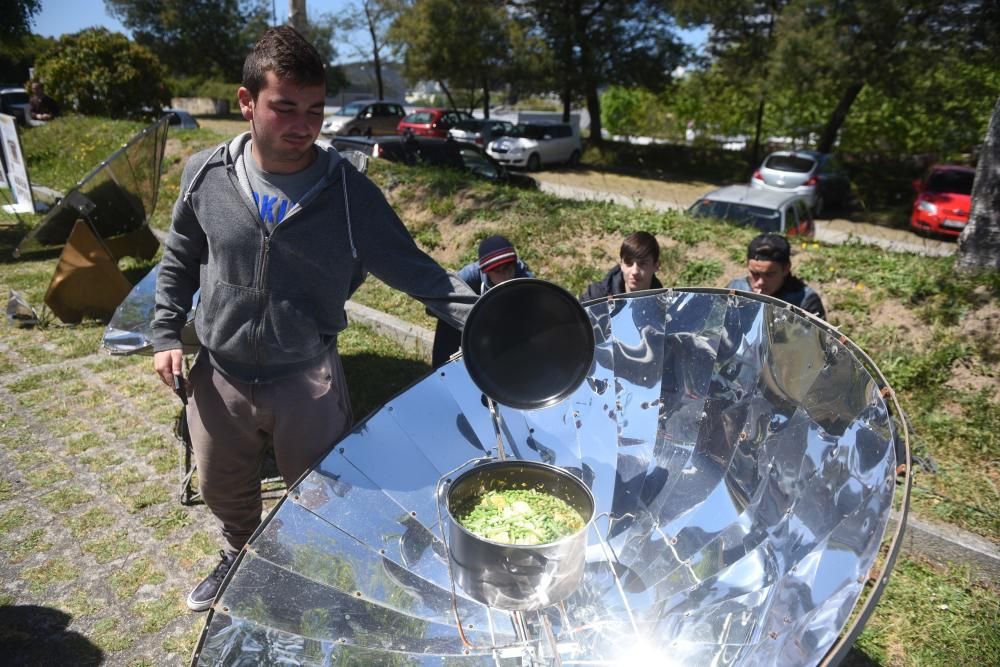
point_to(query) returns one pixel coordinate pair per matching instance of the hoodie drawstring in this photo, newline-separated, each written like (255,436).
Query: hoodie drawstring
(347,208)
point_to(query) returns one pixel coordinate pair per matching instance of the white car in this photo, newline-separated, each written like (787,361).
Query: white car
(532,145)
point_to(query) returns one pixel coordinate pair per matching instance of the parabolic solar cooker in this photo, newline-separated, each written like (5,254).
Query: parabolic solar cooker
(735,461)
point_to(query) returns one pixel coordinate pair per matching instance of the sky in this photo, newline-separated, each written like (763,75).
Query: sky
(59,17)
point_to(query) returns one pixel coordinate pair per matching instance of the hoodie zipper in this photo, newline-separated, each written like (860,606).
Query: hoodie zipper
(261,302)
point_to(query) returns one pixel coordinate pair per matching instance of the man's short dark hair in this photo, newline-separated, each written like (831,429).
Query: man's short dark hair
(288,54)
(770,248)
(638,246)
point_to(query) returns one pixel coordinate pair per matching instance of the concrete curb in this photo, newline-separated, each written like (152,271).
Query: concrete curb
(938,543)
(410,336)
(943,544)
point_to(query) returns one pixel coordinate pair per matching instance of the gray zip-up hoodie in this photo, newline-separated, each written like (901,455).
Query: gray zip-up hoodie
(272,302)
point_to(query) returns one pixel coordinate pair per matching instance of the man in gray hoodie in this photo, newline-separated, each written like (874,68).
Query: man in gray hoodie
(277,232)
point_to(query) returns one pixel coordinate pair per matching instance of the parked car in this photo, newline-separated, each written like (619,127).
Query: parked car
(944,197)
(336,120)
(13,102)
(181,119)
(769,211)
(532,145)
(480,131)
(375,118)
(412,150)
(817,176)
(431,122)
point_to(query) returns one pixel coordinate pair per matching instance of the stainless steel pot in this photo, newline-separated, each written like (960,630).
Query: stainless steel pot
(516,577)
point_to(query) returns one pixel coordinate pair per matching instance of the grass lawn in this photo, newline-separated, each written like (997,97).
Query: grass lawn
(96,549)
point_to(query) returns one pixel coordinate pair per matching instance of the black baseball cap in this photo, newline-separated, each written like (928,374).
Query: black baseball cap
(770,248)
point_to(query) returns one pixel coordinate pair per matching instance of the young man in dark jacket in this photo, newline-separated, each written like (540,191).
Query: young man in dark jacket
(277,232)
(639,259)
(769,262)
(498,262)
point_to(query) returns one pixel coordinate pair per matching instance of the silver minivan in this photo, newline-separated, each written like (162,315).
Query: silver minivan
(532,145)
(779,212)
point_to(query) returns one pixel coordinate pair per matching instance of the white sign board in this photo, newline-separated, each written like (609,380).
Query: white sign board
(17,170)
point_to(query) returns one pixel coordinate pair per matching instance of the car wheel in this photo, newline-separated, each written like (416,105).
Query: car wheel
(574,159)
(534,162)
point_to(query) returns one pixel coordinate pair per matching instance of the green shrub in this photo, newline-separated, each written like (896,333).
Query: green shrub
(100,73)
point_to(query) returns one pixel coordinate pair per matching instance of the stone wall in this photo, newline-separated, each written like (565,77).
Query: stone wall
(201,106)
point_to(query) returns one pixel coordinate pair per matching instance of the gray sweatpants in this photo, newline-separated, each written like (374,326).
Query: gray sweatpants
(231,423)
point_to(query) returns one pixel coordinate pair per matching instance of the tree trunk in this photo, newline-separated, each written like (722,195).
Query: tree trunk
(755,154)
(594,109)
(837,118)
(979,244)
(447,93)
(486,99)
(376,47)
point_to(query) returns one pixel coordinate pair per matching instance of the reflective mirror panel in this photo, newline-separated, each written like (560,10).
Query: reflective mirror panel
(117,197)
(743,463)
(131,328)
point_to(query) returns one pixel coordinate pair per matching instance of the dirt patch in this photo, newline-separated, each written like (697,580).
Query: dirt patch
(981,329)
(895,315)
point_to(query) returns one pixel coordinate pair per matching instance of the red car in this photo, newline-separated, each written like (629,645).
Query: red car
(431,122)
(943,200)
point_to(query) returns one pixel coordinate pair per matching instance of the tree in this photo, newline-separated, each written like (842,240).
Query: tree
(321,33)
(979,243)
(374,17)
(600,42)
(101,73)
(741,41)
(425,32)
(19,54)
(822,56)
(18,16)
(207,38)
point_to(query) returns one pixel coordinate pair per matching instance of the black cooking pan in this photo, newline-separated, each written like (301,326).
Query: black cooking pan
(528,343)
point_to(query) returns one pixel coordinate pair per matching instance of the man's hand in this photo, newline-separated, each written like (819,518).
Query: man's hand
(168,364)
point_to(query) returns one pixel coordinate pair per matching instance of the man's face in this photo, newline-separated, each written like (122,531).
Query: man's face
(638,273)
(285,120)
(767,277)
(501,274)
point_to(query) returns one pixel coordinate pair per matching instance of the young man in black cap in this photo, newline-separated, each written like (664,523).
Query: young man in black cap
(638,261)
(769,261)
(497,264)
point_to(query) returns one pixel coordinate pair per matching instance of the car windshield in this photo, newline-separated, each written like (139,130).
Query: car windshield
(957,182)
(16,98)
(798,163)
(764,219)
(419,117)
(352,109)
(529,131)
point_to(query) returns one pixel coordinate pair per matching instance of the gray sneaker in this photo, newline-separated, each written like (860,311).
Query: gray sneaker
(203,595)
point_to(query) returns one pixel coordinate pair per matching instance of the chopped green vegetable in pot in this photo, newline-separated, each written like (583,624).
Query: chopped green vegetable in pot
(519,516)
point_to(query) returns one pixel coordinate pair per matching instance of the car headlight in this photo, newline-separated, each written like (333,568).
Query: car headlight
(927,207)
